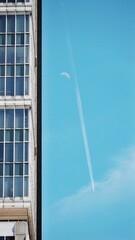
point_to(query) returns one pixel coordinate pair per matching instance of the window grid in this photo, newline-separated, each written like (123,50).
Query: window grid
(14,70)
(14,1)
(12,169)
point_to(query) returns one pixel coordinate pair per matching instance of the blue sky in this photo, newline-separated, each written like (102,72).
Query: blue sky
(102,35)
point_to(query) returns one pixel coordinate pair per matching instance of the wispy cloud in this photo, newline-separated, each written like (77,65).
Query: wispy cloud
(117,186)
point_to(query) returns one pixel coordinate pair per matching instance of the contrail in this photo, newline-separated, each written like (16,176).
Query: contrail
(80,109)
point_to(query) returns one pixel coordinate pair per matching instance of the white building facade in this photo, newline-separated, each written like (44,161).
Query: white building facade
(18,120)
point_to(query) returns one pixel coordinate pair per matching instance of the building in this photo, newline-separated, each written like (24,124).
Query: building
(20,142)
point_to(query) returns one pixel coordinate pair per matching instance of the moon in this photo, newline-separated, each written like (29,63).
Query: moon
(65,74)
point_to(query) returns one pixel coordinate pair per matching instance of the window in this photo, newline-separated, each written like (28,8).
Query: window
(14,55)
(14,146)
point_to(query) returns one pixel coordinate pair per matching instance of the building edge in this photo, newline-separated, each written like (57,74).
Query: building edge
(39,120)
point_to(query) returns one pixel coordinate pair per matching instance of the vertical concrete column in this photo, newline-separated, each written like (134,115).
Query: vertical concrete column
(21,231)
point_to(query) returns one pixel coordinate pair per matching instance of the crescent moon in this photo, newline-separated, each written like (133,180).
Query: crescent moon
(65,74)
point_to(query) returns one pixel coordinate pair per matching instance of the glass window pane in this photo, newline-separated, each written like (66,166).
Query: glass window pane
(10,39)
(1,86)
(18,135)
(27,54)
(26,170)
(2,39)
(1,118)
(19,152)
(18,187)
(8,189)
(9,118)
(2,23)
(10,70)
(1,169)
(26,118)
(26,152)
(10,23)
(20,1)
(8,152)
(9,135)
(1,135)
(26,192)
(20,86)
(10,54)
(19,118)
(20,70)
(8,169)
(26,135)
(27,23)
(2,54)
(1,152)
(27,39)
(18,169)
(20,23)
(19,54)
(1,187)
(2,70)
(9,86)
(20,38)
(26,86)
(26,69)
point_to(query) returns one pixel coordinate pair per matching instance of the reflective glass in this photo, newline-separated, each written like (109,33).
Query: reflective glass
(26,118)
(26,86)
(1,152)
(26,135)
(19,152)
(8,169)
(10,70)
(2,23)
(2,54)
(20,0)
(9,118)
(1,135)
(9,135)
(8,152)
(2,39)
(26,170)
(10,54)
(1,169)
(26,192)
(1,189)
(26,152)
(10,39)
(19,118)
(20,70)
(1,118)
(27,23)
(18,135)
(11,1)
(18,169)
(27,39)
(26,69)
(9,86)
(27,54)
(19,54)
(1,86)
(20,38)
(18,187)
(10,23)
(8,187)
(19,86)
(2,70)
(20,23)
